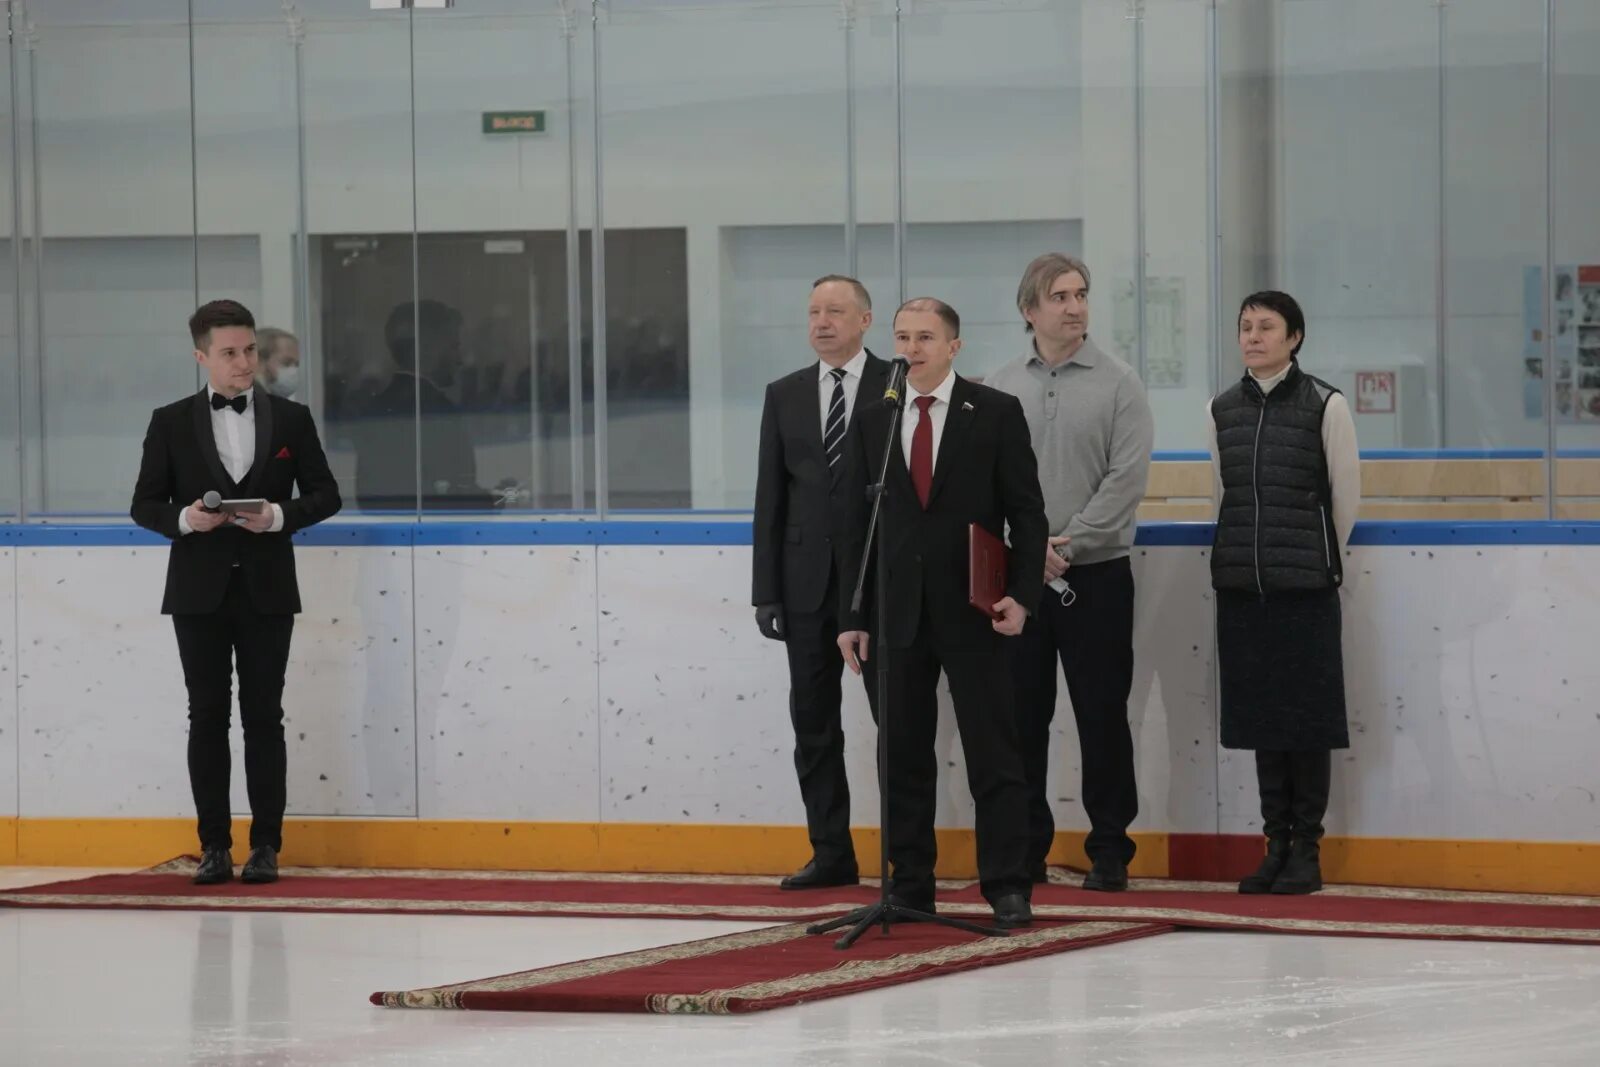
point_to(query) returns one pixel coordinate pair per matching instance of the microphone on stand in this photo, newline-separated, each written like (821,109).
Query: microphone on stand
(898,367)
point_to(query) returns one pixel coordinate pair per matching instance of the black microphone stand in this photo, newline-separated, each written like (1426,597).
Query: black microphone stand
(885,911)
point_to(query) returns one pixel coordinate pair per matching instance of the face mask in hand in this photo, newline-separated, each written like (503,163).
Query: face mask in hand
(287,383)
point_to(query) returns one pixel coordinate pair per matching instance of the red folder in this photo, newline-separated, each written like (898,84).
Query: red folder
(986,570)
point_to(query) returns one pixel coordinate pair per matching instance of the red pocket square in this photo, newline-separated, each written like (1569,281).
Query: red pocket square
(283,453)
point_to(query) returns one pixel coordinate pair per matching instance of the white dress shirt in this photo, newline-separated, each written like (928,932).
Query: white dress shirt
(937,411)
(851,383)
(1338,445)
(235,434)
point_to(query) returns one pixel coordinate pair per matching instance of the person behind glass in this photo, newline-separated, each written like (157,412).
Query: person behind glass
(962,457)
(230,587)
(1283,445)
(279,352)
(798,514)
(379,416)
(1092,430)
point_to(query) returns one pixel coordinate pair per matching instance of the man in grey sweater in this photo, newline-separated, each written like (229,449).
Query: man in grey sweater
(1092,433)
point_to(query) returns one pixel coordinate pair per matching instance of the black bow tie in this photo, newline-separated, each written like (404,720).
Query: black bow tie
(238,403)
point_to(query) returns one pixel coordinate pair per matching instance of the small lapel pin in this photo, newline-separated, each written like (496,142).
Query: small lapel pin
(967,406)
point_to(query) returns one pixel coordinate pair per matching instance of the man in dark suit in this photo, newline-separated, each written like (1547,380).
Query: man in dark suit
(962,457)
(797,575)
(231,587)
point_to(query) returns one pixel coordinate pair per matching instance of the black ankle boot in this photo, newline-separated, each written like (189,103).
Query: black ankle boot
(1303,872)
(1271,866)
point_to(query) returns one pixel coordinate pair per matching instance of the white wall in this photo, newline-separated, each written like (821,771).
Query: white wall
(1359,168)
(1177,252)
(1007,107)
(730,119)
(1246,155)
(1357,124)
(628,684)
(115,348)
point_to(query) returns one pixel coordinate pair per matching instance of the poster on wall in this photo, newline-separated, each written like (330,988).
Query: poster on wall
(1576,343)
(1586,303)
(1163,321)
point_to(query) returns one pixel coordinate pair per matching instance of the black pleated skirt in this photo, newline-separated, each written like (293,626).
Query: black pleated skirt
(1282,665)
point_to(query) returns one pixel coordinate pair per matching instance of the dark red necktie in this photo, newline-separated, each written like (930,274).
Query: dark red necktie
(922,450)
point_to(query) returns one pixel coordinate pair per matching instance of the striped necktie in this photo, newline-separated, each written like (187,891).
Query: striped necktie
(833,425)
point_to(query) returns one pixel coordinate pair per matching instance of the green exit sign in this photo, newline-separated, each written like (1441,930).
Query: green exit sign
(513,122)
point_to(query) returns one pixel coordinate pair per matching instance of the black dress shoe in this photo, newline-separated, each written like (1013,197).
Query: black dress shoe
(1011,910)
(216,867)
(1107,876)
(813,877)
(261,867)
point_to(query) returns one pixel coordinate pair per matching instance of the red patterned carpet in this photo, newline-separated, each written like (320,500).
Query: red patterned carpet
(1338,911)
(781,965)
(432,892)
(758,969)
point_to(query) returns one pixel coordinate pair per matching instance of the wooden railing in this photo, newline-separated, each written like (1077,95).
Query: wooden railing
(1391,489)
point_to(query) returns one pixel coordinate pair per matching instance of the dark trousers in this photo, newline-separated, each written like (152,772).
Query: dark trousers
(811,640)
(1093,639)
(207,647)
(1294,793)
(980,687)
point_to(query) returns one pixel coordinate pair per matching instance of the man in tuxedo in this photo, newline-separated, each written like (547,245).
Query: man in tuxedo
(962,456)
(231,587)
(798,578)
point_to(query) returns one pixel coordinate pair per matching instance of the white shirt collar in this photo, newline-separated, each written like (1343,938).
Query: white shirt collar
(941,393)
(852,369)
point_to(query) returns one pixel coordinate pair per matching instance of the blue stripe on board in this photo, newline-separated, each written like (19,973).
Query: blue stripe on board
(633,532)
(328,535)
(1476,533)
(641,532)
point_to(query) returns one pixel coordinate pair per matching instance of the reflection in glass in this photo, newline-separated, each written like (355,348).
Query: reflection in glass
(483,357)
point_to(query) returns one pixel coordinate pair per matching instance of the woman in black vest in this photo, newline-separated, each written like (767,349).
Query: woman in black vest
(1284,450)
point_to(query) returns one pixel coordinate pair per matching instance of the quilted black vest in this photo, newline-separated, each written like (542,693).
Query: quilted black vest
(1275,526)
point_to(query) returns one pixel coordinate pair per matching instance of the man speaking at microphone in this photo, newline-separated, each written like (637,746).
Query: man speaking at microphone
(961,456)
(231,588)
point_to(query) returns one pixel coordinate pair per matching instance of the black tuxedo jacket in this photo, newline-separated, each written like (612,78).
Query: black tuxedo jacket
(181,464)
(799,508)
(984,472)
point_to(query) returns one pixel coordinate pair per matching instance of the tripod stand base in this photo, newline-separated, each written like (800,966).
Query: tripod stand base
(886,912)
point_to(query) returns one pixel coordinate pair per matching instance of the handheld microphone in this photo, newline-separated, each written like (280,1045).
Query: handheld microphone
(898,367)
(211,501)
